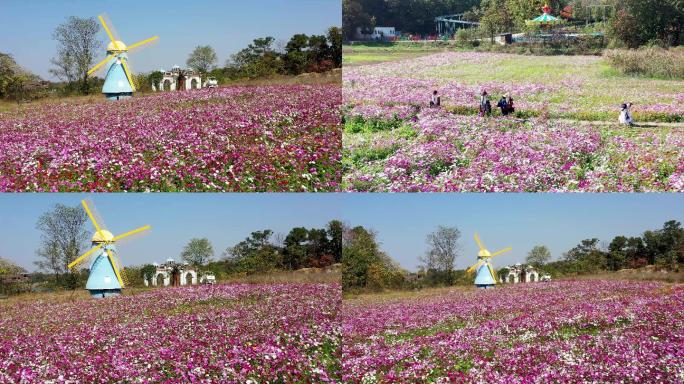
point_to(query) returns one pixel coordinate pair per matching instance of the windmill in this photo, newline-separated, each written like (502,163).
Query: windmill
(119,83)
(105,276)
(485,276)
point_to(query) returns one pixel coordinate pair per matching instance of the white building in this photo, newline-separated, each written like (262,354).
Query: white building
(520,274)
(174,274)
(179,79)
(378,33)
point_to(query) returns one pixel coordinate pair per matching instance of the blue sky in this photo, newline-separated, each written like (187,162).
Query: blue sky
(26,26)
(521,221)
(224,219)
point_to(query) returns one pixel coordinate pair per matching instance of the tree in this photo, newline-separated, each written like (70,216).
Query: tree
(8,68)
(147,272)
(443,250)
(624,27)
(496,19)
(202,59)
(353,17)
(77,46)
(257,60)
(587,256)
(335,45)
(360,251)
(538,256)
(294,253)
(9,268)
(296,58)
(155,78)
(657,20)
(63,237)
(255,254)
(335,229)
(197,252)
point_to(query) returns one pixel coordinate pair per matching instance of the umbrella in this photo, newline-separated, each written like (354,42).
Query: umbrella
(545,18)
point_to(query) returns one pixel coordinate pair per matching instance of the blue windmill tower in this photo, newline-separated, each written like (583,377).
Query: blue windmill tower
(119,83)
(105,276)
(485,276)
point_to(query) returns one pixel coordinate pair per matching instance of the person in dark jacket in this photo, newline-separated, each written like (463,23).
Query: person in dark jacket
(435,101)
(503,105)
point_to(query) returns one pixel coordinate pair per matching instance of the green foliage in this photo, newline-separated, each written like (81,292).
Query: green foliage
(496,18)
(639,22)
(202,59)
(16,83)
(364,265)
(538,256)
(301,248)
(197,252)
(663,248)
(410,16)
(155,78)
(316,53)
(147,272)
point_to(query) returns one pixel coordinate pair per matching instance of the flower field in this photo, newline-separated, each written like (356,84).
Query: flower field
(226,333)
(392,142)
(439,151)
(269,138)
(579,87)
(560,332)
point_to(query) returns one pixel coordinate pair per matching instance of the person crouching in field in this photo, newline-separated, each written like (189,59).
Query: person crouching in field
(625,115)
(503,105)
(485,105)
(436,101)
(506,105)
(509,105)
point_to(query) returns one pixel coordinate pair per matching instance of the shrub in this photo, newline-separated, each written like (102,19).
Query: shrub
(648,61)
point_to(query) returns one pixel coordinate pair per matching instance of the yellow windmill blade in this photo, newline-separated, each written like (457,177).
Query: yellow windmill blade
(491,270)
(145,228)
(128,73)
(116,268)
(90,214)
(109,32)
(474,267)
(142,42)
(479,243)
(502,251)
(100,64)
(83,256)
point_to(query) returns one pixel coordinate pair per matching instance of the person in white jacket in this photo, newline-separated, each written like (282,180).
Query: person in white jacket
(625,115)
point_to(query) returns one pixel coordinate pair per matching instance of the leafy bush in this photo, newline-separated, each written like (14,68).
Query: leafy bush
(648,61)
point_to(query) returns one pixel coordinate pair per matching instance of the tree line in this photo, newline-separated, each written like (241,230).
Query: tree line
(632,23)
(265,57)
(367,268)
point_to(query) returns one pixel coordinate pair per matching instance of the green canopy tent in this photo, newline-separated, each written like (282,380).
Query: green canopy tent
(545,19)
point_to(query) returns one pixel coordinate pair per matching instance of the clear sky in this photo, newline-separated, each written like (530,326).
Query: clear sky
(224,219)
(559,221)
(26,26)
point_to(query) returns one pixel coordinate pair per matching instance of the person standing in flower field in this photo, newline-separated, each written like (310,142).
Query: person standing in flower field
(485,105)
(435,101)
(625,115)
